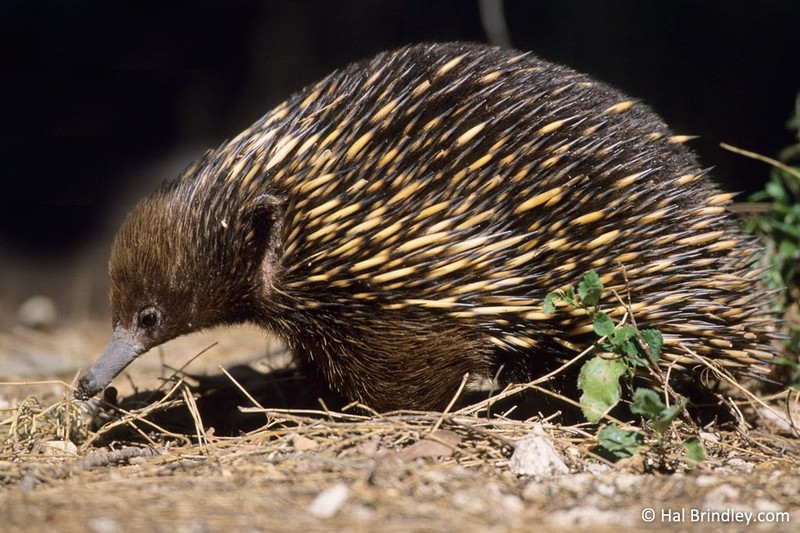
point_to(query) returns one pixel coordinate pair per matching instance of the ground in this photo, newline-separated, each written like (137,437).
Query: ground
(158,465)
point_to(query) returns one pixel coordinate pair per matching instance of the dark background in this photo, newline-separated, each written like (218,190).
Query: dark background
(102,100)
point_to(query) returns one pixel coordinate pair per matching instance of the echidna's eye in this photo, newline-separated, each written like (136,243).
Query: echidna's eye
(149,318)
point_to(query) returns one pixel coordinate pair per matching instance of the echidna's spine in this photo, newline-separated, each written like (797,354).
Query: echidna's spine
(474,181)
(401,221)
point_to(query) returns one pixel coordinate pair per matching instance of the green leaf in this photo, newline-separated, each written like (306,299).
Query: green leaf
(783,361)
(569,296)
(647,403)
(637,359)
(622,335)
(603,325)
(775,189)
(788,249)
(631,351)
(550,303)
(607,347)
(558,297)
(663,421)
(695,451)
(590,289)
(599,381)
(788,228)
(619,442)
(654,340)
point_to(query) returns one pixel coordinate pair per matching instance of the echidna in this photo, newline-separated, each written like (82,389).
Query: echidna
(400,222)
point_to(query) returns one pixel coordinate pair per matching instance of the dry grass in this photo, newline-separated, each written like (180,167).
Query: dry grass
(316,469)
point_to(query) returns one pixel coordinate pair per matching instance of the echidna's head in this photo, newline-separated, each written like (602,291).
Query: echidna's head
(180,264)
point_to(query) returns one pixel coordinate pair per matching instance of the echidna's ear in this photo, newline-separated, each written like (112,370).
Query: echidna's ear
(266,218)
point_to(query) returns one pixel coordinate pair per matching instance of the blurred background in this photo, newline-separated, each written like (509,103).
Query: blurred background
(104,100)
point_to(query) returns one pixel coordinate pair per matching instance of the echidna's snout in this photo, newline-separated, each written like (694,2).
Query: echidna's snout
(120,352)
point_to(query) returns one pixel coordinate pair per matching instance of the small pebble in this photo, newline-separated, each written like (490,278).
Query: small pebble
(302,443)
(103,524)
(329,501)
(38,312)
(535,455)
(59,447)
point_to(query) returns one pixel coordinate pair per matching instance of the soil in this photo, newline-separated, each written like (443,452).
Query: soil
(254,450)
